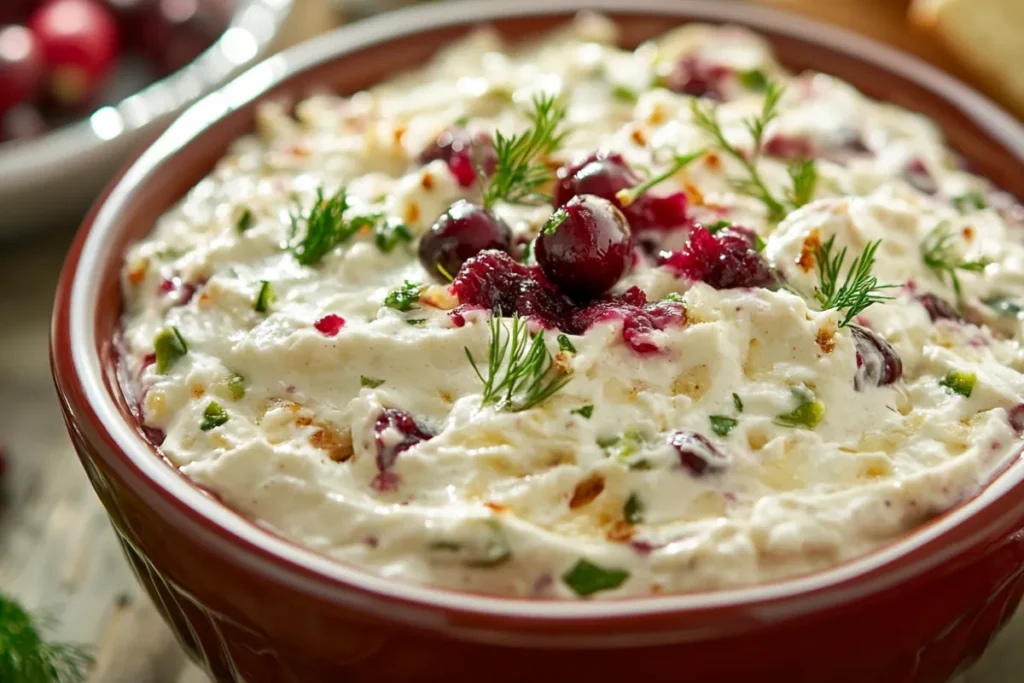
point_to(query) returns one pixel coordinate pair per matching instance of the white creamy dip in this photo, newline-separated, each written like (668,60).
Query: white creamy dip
(551,502)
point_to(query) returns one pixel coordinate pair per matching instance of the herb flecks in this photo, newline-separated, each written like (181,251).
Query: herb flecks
(245,220)
(520,169)
(808,413)
(26,656)
(521,372)
(370,382)
(236,386)
(404,298)
(585,411)
(803,174)
(264,298)
(857,291)
(213,417)
(168,347)
(960,382)
(722,424)
(941,257)
(327,228)
(586,578)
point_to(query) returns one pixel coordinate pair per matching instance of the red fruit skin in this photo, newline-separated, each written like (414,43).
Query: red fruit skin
(172,33)
(462,152)
(79,40)
(459,234)
(21,66)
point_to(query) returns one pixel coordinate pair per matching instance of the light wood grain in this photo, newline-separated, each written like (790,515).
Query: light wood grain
(57,551)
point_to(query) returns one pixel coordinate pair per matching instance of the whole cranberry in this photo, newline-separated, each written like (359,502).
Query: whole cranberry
(724,260)
(878,364)
(21,66)
(585,248)
(21,122)
(697,454)
(463,152)
(697,77)
(462,232)
(173,33)
(938,308)
(80,43)
(604,174)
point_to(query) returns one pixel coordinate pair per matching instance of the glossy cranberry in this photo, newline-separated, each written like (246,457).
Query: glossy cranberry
(463,152)
(80,43)
(878,364)
(604,174)
(329,325)
(1016,418)
(394,432)
(724,261)
(172,33)
(694,76)
(585,248)
(493,281)
(21,122)
(789,147)
(21,66)
(462,232)
(697,454)
(938,308)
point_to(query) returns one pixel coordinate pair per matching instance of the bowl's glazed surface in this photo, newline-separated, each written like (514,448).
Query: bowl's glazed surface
(251,607)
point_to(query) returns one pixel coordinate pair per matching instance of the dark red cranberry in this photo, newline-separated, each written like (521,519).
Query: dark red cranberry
(463,152)
(462,232)
(172,33)
(918,176)
(154,435)
(178,292)
(15,11)
(697,454)
(604,174)
(388,448)
(638,317)
(21,122)
(938,308)
(694,76)
(329,325)
(585,248)
(21,66)
(878,364)
(1016,418)
(80,42)
(789,147)
(724,261)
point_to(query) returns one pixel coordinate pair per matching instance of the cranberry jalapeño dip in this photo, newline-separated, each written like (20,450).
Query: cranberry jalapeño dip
(564,320)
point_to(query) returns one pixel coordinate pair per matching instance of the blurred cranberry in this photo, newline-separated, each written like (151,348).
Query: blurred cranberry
(130,16)
(175,32)
(80,43)
(15,11)
(21,66)
(21,122)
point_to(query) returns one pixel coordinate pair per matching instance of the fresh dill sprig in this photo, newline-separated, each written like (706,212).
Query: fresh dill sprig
(803,174)
(520,168)
(858,290)
(942,258)
(629,195)
(327,227)
(27,658)
(520,370)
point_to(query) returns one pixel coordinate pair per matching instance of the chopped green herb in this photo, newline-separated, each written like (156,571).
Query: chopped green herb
(370,382)
(960,382)
(717,225)
(970,201)
(941,257)
(565,345)
(722,424)
(264,298)
(490,551)
(25,657)
(213,417)
(753,79)
(586,411)
(520,373)
(168,347)
(674,296)
(520,169)
(415,321)
(236,385)
(807,414)
(388,234)
(1004,306)
(738,402)
(623,448)
(858,290)
(404,298)
(586,578)
(630,195)
(633,510)
(624,94)
(246,220)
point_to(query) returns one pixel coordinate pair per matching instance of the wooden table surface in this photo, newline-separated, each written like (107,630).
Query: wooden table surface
(57,551)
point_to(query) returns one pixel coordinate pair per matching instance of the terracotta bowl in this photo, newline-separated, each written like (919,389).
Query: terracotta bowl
(249,606)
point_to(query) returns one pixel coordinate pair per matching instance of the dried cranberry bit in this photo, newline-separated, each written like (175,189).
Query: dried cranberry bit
(938,308)
(918,176)
(329,325)
(1016,418)
(393,419)
(789,147)
(463,152)
(698,455)
(725,260)
(586,247)
(878,364)
(695,76)
(462,232)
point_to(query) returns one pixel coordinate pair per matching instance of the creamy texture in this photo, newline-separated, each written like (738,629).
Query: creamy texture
(298,454)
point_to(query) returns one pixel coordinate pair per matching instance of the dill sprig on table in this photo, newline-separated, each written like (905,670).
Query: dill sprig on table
(803,174)
(327,227)
(520,369)
(858,290)
(942,258)
(26,657)
(520,168)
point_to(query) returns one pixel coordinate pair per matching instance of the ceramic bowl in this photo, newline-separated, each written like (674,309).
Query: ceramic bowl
(250,606)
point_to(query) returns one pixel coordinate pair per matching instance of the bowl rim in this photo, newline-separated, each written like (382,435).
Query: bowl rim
(77,367)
